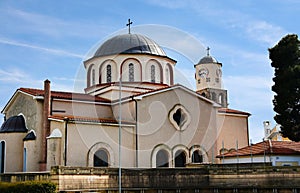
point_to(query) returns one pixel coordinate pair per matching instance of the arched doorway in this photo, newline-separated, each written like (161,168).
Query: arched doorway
(180,158)
(162,158)
(101,158)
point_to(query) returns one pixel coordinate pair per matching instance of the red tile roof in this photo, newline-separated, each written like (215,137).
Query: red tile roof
(64,95)
(232,111)
(267,148)
(87,119)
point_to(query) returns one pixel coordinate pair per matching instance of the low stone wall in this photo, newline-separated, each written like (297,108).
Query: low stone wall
(228,178)
(208,178)
(25,176)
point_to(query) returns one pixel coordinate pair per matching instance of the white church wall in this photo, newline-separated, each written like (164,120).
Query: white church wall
(153,71)
(83,136)
(32,155)
(83,109)
(127,111)
(164,70)
(103,71)
(232,131)
(13,151)
(136,70)
(154,126)
(276,160)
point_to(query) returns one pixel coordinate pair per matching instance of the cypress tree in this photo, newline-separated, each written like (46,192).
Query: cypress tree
(285,59)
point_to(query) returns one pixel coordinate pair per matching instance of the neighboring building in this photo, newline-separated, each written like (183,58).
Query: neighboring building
(273,134)
(279,153)
(162,124)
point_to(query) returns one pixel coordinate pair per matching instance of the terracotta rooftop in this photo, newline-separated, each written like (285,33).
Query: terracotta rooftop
(267,148)
(87,119)
(232,111)
(64,95)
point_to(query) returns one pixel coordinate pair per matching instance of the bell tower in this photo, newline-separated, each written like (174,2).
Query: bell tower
(209,79)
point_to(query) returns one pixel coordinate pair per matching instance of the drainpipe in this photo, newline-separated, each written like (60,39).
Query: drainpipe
(66,119)
(136,134)
(46,124)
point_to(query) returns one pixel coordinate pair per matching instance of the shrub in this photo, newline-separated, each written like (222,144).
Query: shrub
(28,187)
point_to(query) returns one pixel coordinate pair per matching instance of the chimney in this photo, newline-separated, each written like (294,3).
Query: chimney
(267,129)
(46,124)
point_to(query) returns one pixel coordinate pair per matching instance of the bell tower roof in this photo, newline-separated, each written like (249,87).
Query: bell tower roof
(207,59)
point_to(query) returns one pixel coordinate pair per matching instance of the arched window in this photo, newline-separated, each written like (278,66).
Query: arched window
(152,69)
(221,98)
(180,158)
(197,157)
(213,96)
(93,77)
(101,158)
(131,72)
(167,76)
(162,158)
(2,156)
(24,159)
(108,73)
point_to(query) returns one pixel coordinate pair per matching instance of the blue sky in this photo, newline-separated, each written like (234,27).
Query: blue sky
(48,40)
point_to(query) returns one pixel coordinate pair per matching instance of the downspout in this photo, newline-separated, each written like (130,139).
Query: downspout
(136,134)
(66,119)
(247,122)
(271,152)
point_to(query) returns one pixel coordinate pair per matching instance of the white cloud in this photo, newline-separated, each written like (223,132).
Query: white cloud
(49,50)
(252,27)
(263,31)
(170,4)
(44,25)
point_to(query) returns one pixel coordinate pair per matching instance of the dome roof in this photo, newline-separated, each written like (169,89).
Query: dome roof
(30,136)
(207,59)
(14,124)
(129,44)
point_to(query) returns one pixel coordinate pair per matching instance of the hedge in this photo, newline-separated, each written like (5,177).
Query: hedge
(28,187)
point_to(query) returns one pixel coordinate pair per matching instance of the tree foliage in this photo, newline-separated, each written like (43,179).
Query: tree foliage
(285,57)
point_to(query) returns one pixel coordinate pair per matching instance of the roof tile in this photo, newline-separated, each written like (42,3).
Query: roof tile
(267,147)
(65,95)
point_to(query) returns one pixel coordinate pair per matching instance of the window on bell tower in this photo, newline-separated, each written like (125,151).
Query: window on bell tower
(131,72)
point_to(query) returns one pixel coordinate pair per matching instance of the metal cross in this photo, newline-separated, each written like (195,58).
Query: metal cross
(128,24)
(207,51)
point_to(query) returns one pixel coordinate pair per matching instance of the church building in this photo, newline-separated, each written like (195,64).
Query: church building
(131,114)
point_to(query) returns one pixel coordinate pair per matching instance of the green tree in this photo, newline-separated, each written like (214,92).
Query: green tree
(285,57)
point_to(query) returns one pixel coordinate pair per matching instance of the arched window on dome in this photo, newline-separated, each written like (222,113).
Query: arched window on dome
(131,72)
(152,69)
(93,77)
(101,158)
(108,73)
(162,158)
(2,156)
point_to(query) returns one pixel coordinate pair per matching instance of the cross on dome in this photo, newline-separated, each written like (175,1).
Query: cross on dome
(128,24)
(207,49)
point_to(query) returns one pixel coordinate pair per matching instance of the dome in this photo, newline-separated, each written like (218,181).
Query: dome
(30,136)
(129,44)
(14,124)
(207,60)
